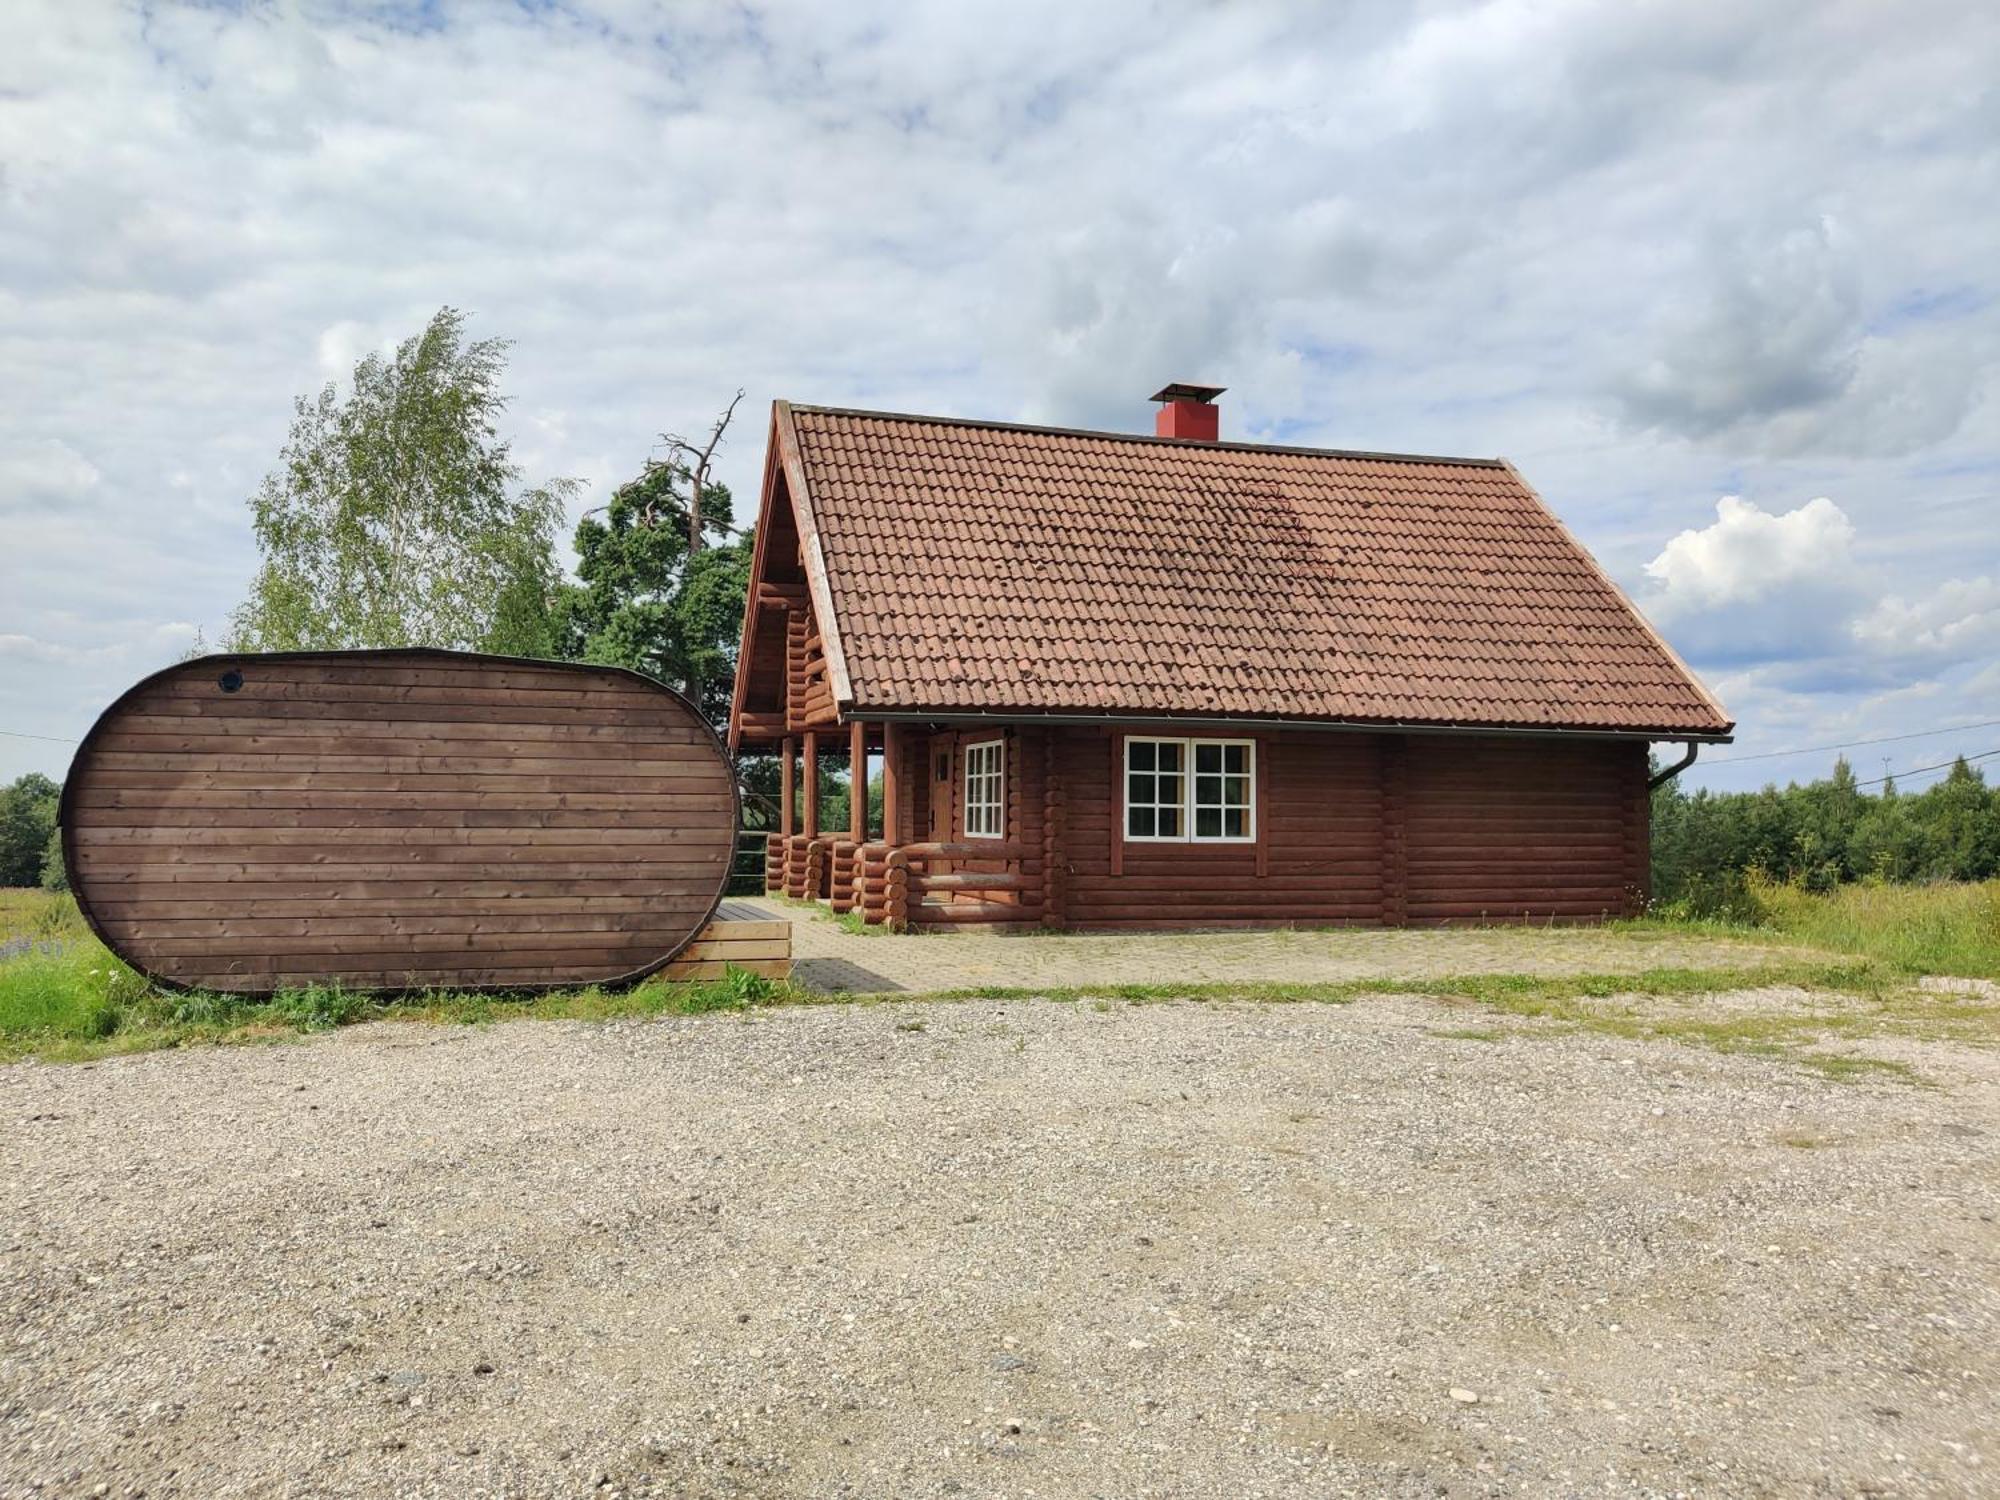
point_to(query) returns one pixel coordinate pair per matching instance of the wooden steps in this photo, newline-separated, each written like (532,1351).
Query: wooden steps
(741,935)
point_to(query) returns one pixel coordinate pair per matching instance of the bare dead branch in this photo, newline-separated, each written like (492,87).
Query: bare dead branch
(697,464)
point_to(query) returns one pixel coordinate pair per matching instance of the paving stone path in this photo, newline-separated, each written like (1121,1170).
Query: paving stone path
(827,957)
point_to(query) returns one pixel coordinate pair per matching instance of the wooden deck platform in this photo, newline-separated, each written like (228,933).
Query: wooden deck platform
(742,935)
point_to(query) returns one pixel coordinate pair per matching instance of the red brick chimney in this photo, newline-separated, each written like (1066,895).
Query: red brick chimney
(1188,411)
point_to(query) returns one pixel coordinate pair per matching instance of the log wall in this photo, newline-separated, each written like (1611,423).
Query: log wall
(1371,829)
(1524,829)
(1352,828)
(1321,832)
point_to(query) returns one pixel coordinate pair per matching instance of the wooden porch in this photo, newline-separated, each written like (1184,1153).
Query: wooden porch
(913,867)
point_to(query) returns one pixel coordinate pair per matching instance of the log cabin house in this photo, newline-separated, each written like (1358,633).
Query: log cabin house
(1121,681)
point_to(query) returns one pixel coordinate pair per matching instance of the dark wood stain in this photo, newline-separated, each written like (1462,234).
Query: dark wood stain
(398,820)
(1360,829)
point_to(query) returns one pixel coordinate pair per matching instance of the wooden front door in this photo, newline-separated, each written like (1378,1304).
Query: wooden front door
(942,783)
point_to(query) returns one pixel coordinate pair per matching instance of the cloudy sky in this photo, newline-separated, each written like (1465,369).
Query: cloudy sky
(1722,279)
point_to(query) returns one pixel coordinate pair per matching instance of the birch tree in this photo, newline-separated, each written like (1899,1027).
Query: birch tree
(394,516)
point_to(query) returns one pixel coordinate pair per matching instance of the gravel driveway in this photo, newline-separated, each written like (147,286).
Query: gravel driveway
(997,1250)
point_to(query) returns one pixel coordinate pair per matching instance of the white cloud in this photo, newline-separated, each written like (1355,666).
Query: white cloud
(1747,554)
(1957,620)
(1789,598)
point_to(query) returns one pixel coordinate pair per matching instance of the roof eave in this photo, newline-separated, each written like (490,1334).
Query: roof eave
(1648,733)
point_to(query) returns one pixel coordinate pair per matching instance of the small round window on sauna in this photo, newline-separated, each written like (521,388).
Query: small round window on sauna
(230,681)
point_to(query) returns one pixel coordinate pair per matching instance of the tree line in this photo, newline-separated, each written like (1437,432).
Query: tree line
(1820,835)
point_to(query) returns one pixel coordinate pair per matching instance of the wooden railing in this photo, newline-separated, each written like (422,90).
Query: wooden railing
(892,885)
(907,878)
(749,869)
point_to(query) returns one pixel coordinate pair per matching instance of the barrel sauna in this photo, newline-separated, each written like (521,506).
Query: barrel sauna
(398,820)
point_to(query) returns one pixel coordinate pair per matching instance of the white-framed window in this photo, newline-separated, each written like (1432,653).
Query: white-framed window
(985,789)
(1190,791)
(1156,789)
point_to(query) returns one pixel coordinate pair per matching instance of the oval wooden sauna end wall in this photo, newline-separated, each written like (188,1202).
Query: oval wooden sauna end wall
(394,820)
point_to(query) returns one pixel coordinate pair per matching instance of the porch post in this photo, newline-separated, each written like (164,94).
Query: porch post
(786,796)
(857,781)
(892,781)
(809,829)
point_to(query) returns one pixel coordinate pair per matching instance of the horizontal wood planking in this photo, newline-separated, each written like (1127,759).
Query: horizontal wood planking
(387,820)
(736,949)
(556,861)
(375,673)
(428,834)
(530,683)
(170,928)
(165,823)
(378,948)
(401,981)
(769,968)
(382,740)
(754,946)
(529,953)
(423,864)
(309,792)
(143,902)
(411,893)
(1501,830)
(233,715)
(1493,829)
(656,764)
(455,977)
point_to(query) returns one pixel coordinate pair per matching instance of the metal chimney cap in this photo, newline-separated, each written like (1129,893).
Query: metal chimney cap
(1181,391)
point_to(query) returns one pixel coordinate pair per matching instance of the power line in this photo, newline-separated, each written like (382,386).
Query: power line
(1730,760)
(1920,770)
(23,735)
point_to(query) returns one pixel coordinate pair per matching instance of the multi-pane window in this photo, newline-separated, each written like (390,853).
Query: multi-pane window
(1200,790)
(985,789)
(1156,789)
(1222,789)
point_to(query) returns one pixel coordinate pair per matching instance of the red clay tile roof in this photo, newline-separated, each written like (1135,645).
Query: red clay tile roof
(979,566)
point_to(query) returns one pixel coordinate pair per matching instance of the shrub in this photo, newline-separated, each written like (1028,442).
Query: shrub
(1736,897)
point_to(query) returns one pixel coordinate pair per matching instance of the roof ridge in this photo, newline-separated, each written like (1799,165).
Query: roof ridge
(1148,438)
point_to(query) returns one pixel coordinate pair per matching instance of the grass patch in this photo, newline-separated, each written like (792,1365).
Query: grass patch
(1469,1033)
(1919,929)
(1526,994)
(29,915)
(73,1001)
(1913,929)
